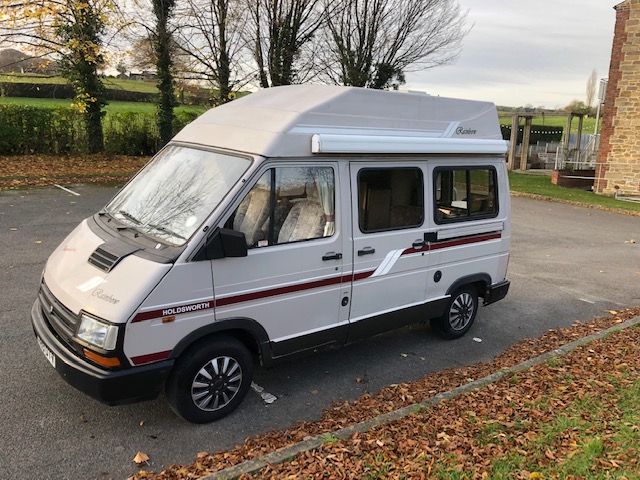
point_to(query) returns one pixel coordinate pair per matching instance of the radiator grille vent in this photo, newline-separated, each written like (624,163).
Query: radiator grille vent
(104,260)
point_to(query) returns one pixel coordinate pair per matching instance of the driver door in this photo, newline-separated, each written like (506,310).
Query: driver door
(296,273)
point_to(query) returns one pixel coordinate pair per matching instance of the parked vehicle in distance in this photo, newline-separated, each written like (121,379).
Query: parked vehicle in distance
(293,219)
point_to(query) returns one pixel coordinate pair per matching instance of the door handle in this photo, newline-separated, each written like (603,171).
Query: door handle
(332,256)
(366,251)
(418,244)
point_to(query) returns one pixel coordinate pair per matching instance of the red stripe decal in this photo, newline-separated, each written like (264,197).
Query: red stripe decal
(465,241)
(300,287)
(151,357)
(247,297)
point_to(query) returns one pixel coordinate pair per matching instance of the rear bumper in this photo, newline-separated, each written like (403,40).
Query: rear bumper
(496,292)
(111,387)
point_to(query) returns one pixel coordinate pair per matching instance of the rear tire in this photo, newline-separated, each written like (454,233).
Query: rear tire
(210,379)
(459,314)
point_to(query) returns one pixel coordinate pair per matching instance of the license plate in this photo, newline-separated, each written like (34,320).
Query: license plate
(47,353)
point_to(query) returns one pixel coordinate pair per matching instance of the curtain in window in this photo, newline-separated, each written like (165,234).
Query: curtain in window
(323,177)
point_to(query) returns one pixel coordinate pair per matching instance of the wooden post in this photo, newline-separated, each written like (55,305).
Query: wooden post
(565,143)
(513,141)
(579,140)
(526,135)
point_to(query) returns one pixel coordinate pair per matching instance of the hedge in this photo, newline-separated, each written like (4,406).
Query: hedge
(60,90)
(59,131)
(132,133)
(25,130)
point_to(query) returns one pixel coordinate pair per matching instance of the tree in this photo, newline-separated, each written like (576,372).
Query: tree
(142,55)
(211,37)
(278,32)
(72,31)
(373,43)
(163,10)
(591,87)
(578,106)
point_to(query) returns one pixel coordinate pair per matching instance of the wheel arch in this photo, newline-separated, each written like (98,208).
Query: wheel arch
(246,330)
(480,282)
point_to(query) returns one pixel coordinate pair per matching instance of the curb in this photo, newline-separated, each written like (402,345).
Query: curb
(287,453)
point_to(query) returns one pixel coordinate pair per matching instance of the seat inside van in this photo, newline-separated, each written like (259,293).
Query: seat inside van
(306,219)
(253,215)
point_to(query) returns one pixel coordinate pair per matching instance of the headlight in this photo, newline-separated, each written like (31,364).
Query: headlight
(97,333)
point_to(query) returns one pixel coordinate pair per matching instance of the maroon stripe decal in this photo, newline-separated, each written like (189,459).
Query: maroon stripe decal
(300,287)
(151,357)
(411,250)
(247,297)
(465,240)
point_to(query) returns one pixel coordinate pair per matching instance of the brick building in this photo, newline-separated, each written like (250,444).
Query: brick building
(618,166)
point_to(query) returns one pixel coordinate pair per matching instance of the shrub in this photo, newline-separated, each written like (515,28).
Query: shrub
(32,130)
(61,90)
(36,90)
(131,133)
(182,119)
(59,131)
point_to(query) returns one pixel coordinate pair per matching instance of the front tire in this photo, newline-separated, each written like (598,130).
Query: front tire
(210,379)
(459,314)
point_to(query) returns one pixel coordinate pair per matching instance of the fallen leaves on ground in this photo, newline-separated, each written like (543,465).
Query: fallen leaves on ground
(532,421)
(29,170)
(447,421)
(140,458)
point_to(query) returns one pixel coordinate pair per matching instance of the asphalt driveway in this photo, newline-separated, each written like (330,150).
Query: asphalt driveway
(568,263)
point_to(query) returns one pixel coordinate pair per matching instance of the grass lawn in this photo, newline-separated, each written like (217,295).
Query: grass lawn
(587,126)
(541,185)
(112,107)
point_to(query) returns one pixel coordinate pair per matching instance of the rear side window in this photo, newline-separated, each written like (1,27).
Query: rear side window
(465,194)
(390,199)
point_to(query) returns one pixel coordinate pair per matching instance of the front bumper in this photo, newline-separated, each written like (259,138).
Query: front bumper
(116,387)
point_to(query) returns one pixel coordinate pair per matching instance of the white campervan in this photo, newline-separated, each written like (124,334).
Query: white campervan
(292,219)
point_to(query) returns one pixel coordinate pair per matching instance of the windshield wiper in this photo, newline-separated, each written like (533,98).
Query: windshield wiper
(130,217)
(166,230)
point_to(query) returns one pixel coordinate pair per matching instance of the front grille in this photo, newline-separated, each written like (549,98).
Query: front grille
(61,319)
(104,260)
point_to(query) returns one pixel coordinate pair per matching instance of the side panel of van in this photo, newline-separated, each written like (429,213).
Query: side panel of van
(181,303)
(390,257)
(469,209)
(298,267)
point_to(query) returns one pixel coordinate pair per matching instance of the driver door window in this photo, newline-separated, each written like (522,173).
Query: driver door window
(287,204)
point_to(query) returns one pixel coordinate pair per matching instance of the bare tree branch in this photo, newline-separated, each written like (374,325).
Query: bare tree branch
(373,43)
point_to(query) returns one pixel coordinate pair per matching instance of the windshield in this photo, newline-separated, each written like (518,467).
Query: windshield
(174,194)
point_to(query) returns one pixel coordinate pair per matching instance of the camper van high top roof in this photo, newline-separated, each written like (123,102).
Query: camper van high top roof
(299,120)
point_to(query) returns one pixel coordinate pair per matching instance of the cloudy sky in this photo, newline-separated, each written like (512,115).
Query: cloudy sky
(519,52)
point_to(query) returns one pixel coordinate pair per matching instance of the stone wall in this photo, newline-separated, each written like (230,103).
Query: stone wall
(619,153)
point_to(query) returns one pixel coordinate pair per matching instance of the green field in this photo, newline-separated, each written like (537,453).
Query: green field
(114,83)
(588,124)
(112,107)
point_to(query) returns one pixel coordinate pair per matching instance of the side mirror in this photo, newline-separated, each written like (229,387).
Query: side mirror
(223,242)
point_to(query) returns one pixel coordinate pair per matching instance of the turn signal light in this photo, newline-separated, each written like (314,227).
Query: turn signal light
(108,362)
